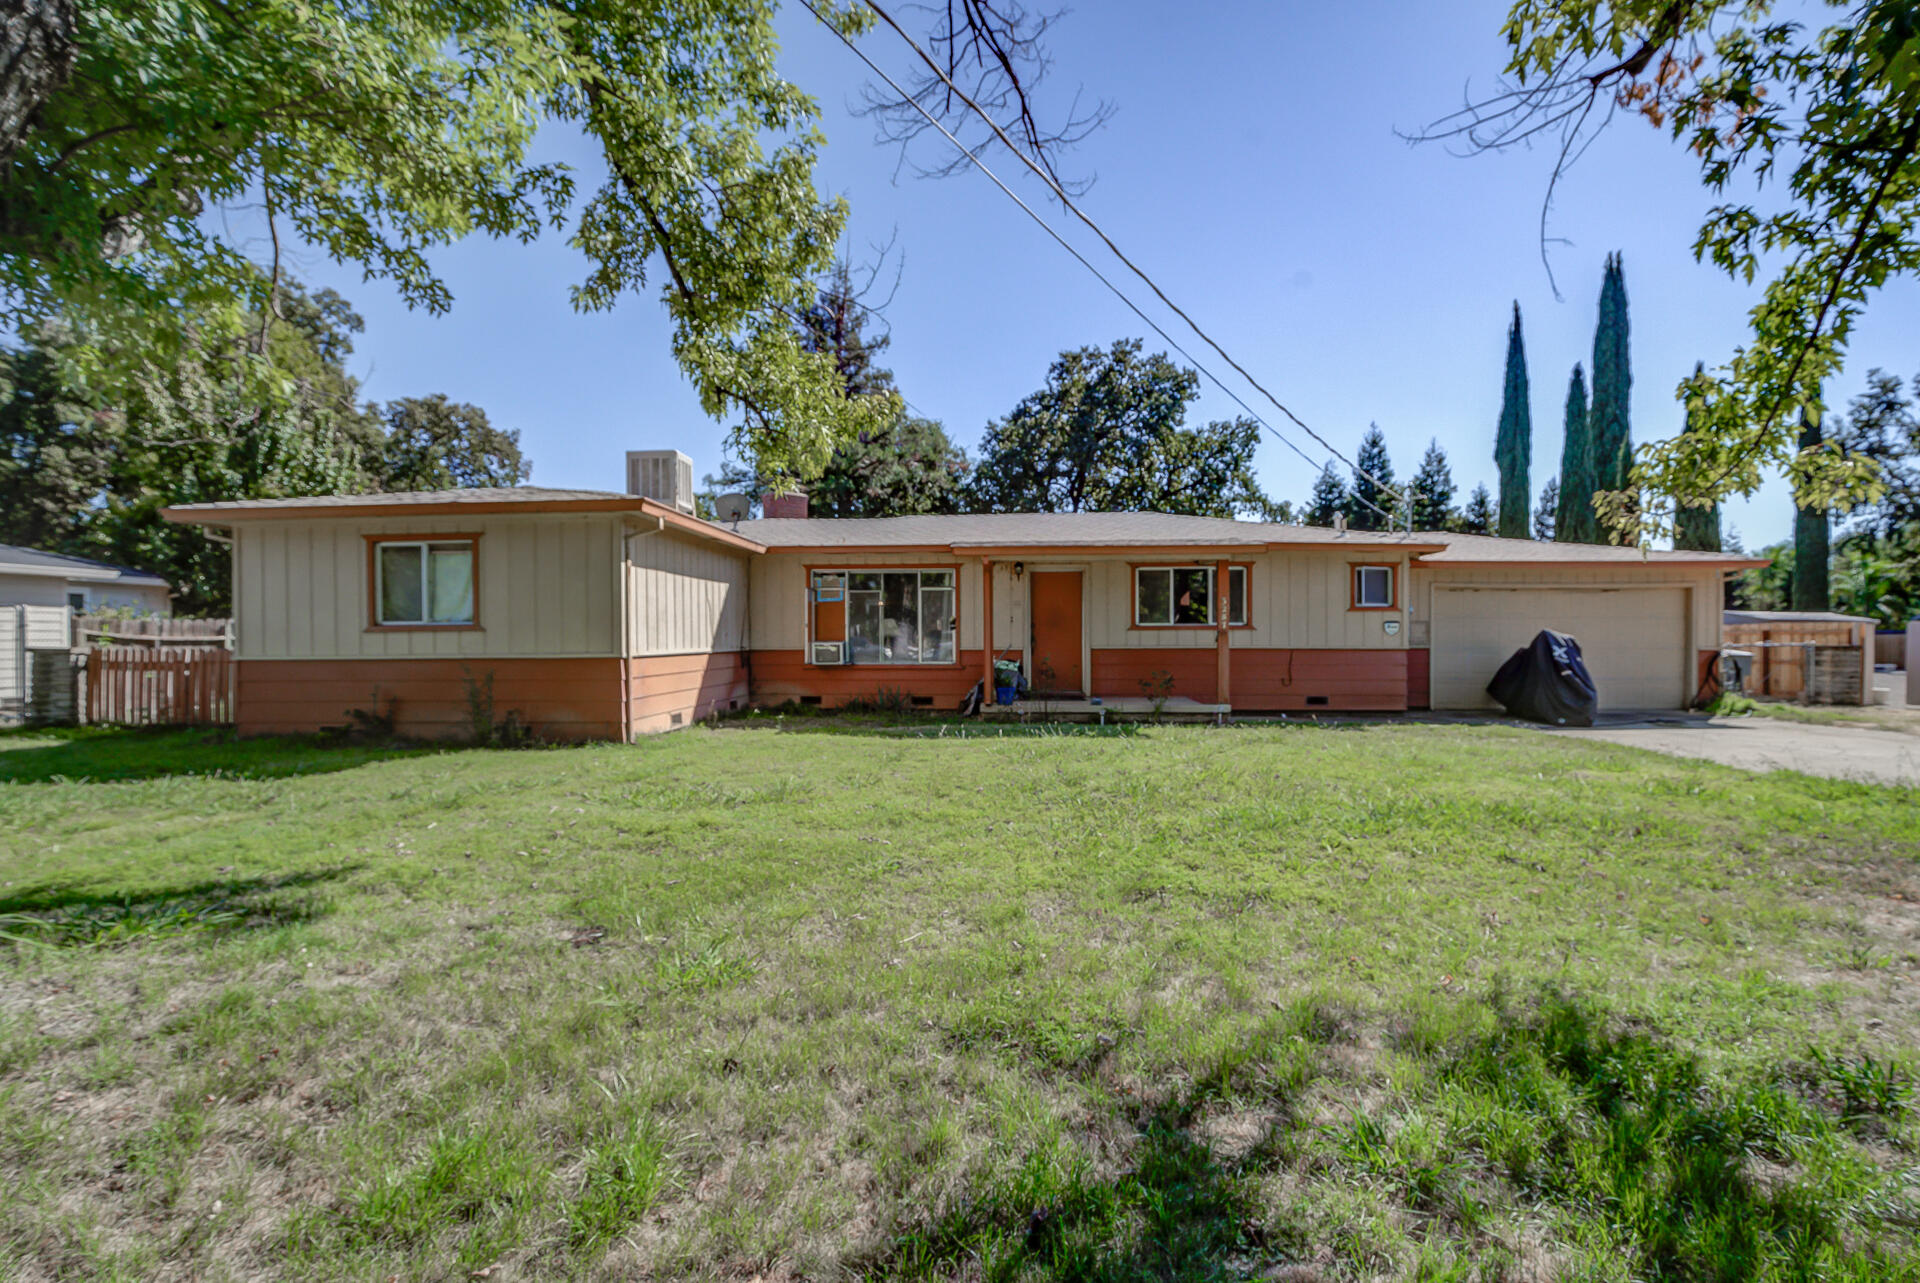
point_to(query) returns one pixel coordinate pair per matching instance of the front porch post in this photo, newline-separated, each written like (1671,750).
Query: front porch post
(986,629)
(1223,651)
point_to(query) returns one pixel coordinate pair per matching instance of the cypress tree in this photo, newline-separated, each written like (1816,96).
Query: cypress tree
(1608,433)
(1810,552)
(1431,493)
(1697,529)
(1513,446)
(1575,523)
(1372,476)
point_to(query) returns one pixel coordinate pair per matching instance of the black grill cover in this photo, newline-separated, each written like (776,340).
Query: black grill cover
(1547,681)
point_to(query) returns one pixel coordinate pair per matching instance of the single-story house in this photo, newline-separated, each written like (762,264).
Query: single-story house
(30,577)
(598,614)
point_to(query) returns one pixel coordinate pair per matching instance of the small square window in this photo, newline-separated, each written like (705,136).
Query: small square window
(424,583)
(1373,587)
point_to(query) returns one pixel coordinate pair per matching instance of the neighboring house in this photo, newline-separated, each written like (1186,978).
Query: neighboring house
(29,577)
(605,615)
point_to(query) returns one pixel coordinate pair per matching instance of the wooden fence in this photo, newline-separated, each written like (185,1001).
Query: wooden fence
(159,686)
(1890,648)
(148,630)
(1783,648)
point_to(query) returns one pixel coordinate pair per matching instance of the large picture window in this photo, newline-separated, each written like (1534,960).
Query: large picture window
(899,616)
(423,583)
(1185,596)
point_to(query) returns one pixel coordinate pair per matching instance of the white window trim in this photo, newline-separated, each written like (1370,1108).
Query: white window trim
(1360,599)
(424,545)
(1213,597)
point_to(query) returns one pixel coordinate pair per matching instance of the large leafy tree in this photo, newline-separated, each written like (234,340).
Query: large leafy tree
(1372,501)
(1108,433)
(1756,91)
(379,132)
(1431,491)
(84,473)
(432,443)
(1576,521)
(1881,424)
(1513,444)
(55,451)
(903,466)
(1811,534)
(1696,526)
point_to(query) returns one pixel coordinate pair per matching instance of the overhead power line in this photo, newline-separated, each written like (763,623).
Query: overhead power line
(1100,276)
(1060,194)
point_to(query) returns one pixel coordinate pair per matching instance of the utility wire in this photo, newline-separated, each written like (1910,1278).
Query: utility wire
(1067,201)
(1103,279)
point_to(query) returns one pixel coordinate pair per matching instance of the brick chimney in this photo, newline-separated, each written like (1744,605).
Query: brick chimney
(791,504)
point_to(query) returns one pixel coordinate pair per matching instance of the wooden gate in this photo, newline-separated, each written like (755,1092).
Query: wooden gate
(160,686)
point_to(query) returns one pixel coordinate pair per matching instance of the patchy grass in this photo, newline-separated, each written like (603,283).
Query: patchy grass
(1878,717)
(852,999)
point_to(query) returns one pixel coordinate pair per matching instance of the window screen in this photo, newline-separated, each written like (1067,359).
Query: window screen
(424,583)
(1373,585)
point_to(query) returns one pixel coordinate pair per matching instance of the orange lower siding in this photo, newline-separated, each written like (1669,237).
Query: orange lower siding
(665,691)
(1265,680)
(1419,678)
(1195,672)
(782,675)
(562,699)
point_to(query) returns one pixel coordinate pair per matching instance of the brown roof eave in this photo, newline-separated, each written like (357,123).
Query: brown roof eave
(1727,566)
(226,518)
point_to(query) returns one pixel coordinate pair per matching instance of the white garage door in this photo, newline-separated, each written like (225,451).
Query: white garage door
(1633,639)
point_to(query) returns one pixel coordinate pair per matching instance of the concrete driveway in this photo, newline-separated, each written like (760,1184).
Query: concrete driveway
(1768,744)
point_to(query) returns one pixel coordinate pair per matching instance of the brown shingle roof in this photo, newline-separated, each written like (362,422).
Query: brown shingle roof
(451,502)
(412,498)
(1467,549)
(965,532)
(1048,529)
(1159,529)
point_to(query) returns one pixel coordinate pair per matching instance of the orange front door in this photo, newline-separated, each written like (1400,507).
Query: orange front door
(1056,631)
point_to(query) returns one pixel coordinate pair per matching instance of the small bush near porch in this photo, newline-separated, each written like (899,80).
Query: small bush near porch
(832,1001)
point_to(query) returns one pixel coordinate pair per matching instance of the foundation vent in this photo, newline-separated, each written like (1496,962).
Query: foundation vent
(665,476)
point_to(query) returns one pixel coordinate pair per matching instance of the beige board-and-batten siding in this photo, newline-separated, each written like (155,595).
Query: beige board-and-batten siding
(1642,627)
(687,630)
(547,587)
(546,640)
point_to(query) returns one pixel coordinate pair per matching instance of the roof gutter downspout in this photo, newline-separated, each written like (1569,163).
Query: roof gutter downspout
(626,625)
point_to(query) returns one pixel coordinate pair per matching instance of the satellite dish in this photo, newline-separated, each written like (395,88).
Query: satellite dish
(732,507)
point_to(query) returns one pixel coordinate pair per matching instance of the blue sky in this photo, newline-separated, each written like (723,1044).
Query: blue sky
(1253,168)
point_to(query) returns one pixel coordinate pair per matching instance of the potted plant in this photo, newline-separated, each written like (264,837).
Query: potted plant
(1006,681)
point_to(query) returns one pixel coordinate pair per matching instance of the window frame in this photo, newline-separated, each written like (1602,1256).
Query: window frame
(1353,585)
(424,541)
(1244,568)
(846,574)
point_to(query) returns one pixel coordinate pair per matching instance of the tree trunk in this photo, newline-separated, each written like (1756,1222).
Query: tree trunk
(38,59)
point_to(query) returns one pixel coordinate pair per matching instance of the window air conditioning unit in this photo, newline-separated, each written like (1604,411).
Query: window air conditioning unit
(829,652)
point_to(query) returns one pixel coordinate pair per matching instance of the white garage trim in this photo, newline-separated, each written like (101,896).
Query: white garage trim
(1451,688)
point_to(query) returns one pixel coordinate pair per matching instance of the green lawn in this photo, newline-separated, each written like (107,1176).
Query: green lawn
(824,999)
